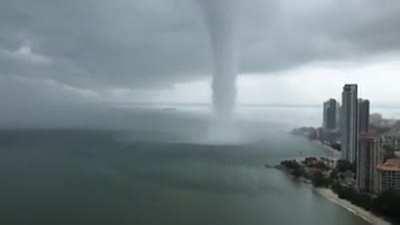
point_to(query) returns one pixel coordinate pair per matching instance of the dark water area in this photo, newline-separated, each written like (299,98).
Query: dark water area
(153,175)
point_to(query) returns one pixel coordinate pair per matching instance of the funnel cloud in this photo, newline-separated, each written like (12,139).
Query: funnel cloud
(221,19)
(57,71)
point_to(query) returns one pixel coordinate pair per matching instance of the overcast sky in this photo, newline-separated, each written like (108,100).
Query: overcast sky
(57,52)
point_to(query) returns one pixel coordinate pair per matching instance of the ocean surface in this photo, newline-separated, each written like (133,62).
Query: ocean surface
(165,166)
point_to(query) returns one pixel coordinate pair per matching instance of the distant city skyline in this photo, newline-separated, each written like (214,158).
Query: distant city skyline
(368,145)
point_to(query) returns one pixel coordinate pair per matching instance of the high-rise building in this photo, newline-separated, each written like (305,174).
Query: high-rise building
(376,160)
(365,150)
(363,115)
(349,122)
(390,175)
(331,114)
(370,154)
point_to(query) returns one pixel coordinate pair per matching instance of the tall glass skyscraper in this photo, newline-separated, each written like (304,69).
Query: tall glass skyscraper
(331,114)
(349,125)
(363,115)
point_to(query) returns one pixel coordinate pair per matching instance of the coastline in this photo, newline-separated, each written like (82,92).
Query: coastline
(331,196)
(356,210)
(335,153)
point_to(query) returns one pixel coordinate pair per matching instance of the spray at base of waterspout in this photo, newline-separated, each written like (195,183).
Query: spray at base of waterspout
(223,131)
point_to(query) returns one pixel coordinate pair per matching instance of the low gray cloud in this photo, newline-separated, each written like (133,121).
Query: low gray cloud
(96,45)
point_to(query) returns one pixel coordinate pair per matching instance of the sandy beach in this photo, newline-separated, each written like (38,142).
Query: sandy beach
(333,197)
(364,214)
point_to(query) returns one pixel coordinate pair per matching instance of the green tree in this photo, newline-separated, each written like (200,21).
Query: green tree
(344,165)
(388,203)
(319,180)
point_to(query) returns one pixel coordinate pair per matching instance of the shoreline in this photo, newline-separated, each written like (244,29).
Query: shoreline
(331,196)
(354,209)
(335,153)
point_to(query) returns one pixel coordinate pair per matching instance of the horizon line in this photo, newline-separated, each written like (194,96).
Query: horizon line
(248,104)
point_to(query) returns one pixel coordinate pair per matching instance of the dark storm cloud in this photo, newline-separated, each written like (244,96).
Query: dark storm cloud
(306,31)
(101,44)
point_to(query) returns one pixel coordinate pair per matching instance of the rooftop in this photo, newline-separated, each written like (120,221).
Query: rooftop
(371,135)
(390,165)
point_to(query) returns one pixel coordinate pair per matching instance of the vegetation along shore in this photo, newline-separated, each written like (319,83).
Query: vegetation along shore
(334,180)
